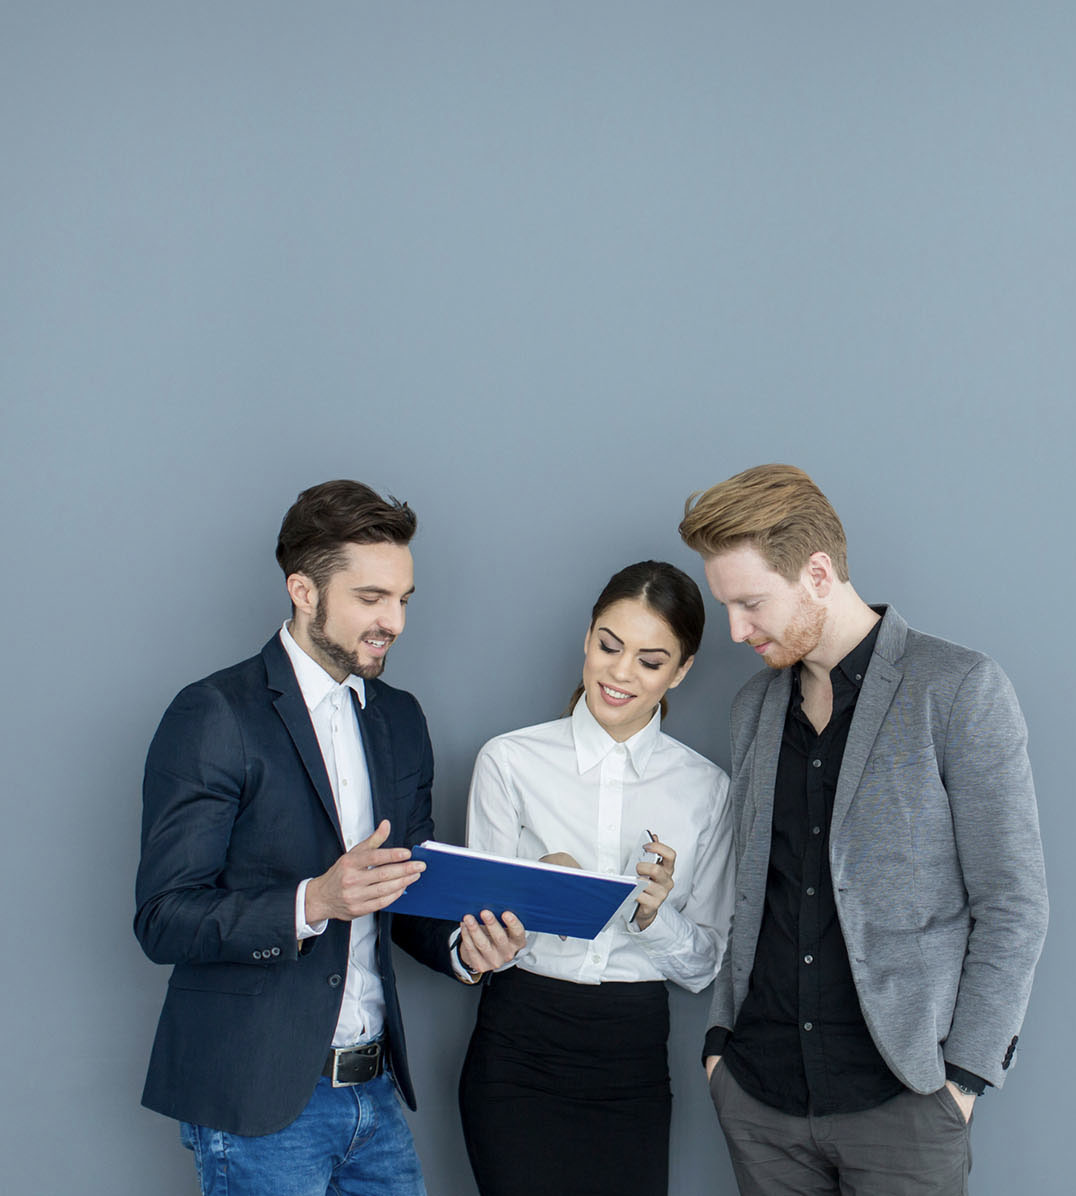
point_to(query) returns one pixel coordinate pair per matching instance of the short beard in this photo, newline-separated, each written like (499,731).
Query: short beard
(337,653)
(800,637)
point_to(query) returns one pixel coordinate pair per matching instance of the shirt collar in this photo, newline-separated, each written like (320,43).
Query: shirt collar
(593,743)
(854,665)
(315,684)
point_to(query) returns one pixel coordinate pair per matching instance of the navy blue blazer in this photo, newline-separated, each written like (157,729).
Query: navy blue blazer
(237,810)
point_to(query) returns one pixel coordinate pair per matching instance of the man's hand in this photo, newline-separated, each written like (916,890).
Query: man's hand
(487,944)
(966,1100)
(711,1062)
(660,876)
(368,878)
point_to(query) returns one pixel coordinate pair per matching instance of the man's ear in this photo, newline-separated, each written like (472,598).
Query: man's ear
(303,593)
(818,574)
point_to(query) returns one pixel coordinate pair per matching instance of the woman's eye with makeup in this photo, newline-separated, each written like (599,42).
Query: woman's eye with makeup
(650,664)
(606,647)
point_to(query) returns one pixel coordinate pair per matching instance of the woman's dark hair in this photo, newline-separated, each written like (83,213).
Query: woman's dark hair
(669,593)
(325,519)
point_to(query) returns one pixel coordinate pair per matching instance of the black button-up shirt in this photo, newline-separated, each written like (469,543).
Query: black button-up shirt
(800,1043)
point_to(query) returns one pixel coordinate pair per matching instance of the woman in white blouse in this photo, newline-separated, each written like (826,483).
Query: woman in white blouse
(565,1087)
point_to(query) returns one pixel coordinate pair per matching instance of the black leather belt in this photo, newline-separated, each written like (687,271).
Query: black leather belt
(346,1066)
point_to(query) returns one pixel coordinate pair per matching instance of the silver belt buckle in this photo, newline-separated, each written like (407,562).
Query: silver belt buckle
(336,1081)
(369,1050)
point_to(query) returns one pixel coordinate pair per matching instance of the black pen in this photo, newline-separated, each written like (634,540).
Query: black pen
(654,839)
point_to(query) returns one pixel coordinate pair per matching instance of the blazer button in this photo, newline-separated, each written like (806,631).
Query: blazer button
(276,951)
(257,955)
(334,980)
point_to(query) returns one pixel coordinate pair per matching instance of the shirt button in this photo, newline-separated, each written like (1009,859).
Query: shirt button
(817,763)
(808,1025)
(596,958)
(808,959)
(816,830)
(810,890)
(345,782)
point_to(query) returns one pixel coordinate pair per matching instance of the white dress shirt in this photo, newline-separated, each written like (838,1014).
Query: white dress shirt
(362,1009)
(569,786)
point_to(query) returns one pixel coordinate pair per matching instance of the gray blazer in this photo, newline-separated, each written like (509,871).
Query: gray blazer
(934,848)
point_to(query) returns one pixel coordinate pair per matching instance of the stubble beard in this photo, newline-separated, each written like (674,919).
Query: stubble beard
(335,652)
(802,635)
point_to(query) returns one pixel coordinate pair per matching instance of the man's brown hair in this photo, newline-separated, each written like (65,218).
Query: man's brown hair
(776,509)
(325,519)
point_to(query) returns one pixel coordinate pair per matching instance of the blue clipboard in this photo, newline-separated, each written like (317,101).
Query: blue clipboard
(544,897)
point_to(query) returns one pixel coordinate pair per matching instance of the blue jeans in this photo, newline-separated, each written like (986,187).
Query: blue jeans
(347,1141)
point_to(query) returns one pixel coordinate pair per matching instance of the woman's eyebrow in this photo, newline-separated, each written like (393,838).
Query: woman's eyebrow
(621,642)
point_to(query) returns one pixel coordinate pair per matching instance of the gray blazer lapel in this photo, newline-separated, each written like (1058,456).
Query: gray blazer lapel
(771,729)
(756,820)
(879,688)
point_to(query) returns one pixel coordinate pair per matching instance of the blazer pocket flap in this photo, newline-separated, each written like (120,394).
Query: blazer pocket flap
(890,759)
(241,978)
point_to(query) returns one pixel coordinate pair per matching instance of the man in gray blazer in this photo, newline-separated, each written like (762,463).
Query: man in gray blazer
(891,899)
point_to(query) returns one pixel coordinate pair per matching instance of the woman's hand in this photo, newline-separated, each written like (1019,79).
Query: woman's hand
(560,857)
(660,875)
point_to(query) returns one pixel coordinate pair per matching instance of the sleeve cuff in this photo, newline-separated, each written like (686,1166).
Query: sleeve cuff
(717,1038)
(302,929)
(966,1079)
(459,968)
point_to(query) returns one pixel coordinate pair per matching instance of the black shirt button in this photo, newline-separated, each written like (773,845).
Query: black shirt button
(808,1025)
(810,890)
(816,830)
(817,763)
(808,959)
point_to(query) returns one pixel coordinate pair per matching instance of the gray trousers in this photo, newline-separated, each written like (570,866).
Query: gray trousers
(911,1145)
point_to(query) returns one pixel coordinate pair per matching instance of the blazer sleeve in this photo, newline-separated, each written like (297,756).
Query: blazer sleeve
(192,794)
(426,939)
(743,725)
(987,777)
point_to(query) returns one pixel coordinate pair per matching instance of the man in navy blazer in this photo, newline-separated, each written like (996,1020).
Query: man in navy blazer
(280,801)
(891,901)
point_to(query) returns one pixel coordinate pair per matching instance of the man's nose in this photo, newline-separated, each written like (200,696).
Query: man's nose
(393,621)
(739,626)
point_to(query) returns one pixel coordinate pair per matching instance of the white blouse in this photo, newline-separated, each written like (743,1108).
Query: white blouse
(569,786)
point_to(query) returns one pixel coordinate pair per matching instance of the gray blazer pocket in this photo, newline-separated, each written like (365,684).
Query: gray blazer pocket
(890,760)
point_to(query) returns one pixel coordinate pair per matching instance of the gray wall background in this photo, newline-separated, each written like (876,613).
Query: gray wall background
(541,269)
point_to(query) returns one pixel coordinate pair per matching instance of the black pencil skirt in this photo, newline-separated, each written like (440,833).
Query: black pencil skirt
(565,1088)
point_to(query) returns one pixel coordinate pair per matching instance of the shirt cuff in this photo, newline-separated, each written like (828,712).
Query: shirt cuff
(966,1079)
(462,971)
(717,1038)
(302,929)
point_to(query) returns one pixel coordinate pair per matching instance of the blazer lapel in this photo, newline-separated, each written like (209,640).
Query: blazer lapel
(771,728)
(879,688)
(295,716)
(377,746)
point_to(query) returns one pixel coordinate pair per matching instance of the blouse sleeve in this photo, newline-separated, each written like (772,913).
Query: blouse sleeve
(687,945)
(493,816)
